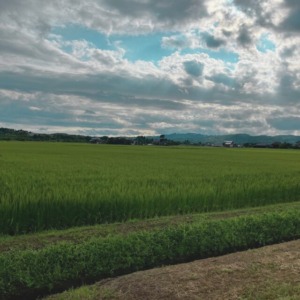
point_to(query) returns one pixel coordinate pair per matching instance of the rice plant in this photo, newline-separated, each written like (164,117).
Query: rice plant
(55,185)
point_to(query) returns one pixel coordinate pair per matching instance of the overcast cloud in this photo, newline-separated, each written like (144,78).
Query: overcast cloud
(148,67)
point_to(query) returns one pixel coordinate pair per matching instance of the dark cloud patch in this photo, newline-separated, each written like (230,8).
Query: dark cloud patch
(169,11)
(244,36)
(213,42)
(292,22)
(53,111)
(250,8)
(227,33)
(243,125)
(119,89)
(254,9)
(36,51)
(144,120)
(126,16)
(19,112)
(109,88)
(12,5)
(241,115)
(288,52)
(287,92)
(292,3)
(205,122)
(21,49)
(285,123)
(89,112)
(286,82)
(217,95)
(193,68)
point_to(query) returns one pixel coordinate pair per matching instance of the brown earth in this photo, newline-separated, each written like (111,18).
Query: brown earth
(271,272)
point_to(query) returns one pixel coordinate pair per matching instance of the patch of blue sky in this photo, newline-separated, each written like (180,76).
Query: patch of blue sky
(137,47)
(221,54)
(265,44)
(143,47)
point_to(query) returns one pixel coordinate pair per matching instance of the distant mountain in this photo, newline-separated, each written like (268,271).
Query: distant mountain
(240,139)
(236,138)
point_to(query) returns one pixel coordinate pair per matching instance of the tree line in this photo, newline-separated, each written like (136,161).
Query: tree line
(7,134)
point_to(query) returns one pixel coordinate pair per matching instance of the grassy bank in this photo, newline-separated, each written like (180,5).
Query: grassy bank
(267,273)
(76,235)
(27,273)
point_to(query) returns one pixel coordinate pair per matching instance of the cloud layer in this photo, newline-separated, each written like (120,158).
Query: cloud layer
(148,67)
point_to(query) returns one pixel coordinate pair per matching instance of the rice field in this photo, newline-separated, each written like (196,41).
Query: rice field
(56,185)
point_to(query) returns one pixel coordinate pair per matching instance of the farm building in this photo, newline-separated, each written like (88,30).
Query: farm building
(229,144)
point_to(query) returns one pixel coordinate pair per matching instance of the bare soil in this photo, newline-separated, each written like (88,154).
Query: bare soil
(271,272)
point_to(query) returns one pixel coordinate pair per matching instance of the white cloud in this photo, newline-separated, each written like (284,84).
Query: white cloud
(91,88)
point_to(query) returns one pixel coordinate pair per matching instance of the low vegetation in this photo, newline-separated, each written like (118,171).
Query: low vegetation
(267,273)
(27,273)
(55,186)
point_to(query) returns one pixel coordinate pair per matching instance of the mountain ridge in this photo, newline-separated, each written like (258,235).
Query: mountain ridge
(238,138)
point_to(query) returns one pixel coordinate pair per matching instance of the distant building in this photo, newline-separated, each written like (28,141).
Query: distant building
(229,144)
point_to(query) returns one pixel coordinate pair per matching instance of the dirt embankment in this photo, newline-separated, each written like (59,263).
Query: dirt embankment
(272,272)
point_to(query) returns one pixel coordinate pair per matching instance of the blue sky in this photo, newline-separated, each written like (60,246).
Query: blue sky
(146,47)
(146,67)
(265,44)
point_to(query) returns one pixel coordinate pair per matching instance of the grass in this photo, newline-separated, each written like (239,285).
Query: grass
(77,235)
(86,293)
(26,274)
(266,273)
(54,186)
(271,290)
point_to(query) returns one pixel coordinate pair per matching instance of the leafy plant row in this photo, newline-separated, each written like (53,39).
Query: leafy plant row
(31,273)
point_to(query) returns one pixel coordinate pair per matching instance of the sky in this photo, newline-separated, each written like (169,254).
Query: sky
(149,67)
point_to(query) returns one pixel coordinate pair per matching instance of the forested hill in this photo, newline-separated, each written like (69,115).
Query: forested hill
(23,135)
(240,139)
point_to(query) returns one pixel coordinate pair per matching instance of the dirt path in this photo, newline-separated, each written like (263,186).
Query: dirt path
(272,272)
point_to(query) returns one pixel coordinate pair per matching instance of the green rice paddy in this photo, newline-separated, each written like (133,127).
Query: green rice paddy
(56,185)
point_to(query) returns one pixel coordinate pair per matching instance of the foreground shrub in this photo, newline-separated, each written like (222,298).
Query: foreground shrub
(27,274)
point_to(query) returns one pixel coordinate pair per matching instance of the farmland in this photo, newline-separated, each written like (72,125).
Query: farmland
(72,214)
(267,273)
(53,185)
